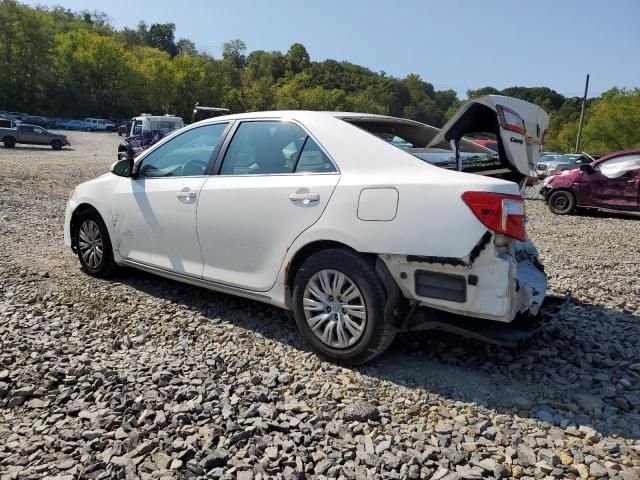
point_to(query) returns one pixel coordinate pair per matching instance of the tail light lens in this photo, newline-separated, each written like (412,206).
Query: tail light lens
(510,120)
(499,212)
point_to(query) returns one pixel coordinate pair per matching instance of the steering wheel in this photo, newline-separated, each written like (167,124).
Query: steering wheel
(193,167)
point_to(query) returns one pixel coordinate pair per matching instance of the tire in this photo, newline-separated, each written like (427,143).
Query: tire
(56,145)
(92,230)
(353,347)
(89,130)
(562,202)
(9,142)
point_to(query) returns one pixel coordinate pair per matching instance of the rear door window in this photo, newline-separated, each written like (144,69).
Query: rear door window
(313,160)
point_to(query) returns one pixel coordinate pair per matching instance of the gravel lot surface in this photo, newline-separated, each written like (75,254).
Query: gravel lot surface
(146,377)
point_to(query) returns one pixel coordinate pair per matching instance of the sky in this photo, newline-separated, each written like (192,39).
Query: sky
(456,44)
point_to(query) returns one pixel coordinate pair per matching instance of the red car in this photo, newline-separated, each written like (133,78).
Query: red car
(611,182)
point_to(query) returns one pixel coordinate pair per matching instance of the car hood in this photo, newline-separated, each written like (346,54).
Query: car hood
(564,178)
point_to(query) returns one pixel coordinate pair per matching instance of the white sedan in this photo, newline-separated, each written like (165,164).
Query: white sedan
(355,222)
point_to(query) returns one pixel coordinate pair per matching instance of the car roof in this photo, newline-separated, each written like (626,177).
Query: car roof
(616,154)
(303,114)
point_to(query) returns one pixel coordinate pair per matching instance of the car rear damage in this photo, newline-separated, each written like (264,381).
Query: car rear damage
(501,278)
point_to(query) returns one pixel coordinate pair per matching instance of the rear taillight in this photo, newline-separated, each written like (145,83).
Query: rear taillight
(499,212)
(510,120)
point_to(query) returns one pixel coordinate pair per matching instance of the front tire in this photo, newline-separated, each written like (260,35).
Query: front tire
(93,246)
(56,145)
(562,202)
(338,305)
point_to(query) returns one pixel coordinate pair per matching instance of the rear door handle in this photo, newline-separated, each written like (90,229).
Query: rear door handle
(304,197)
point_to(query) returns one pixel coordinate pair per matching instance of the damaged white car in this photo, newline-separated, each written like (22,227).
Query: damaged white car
(362,225)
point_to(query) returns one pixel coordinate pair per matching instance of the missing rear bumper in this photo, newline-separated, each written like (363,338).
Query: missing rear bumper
(505,335)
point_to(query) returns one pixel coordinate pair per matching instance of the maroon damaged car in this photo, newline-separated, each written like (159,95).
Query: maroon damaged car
(611,182)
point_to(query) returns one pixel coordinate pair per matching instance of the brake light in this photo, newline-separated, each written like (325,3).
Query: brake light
(499,212)
(510,120)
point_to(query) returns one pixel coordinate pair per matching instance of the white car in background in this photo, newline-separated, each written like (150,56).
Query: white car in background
(318,213)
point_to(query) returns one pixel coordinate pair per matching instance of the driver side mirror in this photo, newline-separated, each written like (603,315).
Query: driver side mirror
(122,168)
(586,168)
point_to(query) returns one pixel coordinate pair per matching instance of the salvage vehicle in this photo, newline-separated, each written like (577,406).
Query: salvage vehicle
(320,213)
(147,130)
(612,182)
(551,166)
(32,135)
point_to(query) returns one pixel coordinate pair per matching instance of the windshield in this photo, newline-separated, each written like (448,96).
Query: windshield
(567,158)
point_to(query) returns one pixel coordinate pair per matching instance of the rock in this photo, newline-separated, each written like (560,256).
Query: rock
(360,412)
(218,458)
(583,470)
(526,455)
(597,470)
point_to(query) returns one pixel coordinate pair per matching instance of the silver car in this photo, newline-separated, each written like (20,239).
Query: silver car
(569,161)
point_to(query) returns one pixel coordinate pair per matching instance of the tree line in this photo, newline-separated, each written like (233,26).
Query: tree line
(58,62)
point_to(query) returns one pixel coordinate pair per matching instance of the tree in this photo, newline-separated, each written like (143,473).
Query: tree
(186,47)
(233,52)
(161,36)
(94,73)
(25,45)
(297,58)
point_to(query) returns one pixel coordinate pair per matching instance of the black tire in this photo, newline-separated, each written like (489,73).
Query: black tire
(56,145)
(376,336)
(9,142)
(562,202)
(107,266)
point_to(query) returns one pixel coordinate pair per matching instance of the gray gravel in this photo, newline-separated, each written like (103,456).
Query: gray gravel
(144,377)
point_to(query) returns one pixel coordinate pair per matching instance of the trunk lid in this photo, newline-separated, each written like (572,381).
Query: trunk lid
(518,126)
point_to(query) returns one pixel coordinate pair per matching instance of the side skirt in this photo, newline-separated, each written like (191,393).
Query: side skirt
(198,282)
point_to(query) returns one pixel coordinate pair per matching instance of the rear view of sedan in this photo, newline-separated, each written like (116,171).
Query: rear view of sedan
(341,218)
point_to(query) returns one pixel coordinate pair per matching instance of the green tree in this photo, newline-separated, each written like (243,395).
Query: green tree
(94,73)
(297,58)
(25,46)
(234,52)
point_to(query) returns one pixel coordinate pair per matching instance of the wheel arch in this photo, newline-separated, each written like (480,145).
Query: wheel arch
(73,223)
(395,309)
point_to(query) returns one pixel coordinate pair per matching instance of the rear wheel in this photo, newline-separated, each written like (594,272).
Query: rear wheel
(562,202)
(9,142)
(56,145)
(338,304)
(93,246)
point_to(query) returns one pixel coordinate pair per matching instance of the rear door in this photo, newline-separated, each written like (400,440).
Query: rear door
(273,183)
(519,128)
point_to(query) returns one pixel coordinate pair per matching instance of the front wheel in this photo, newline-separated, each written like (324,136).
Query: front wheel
(93,246)
(562,202)
(56,145)
(338,305)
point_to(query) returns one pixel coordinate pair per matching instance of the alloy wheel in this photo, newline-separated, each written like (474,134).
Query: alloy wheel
(91,244)
(334,308)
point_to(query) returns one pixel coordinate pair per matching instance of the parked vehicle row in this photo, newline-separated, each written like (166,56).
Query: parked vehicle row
(363,252)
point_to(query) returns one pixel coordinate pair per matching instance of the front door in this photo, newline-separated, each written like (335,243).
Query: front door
(615,183)
(154,213)
(274,183)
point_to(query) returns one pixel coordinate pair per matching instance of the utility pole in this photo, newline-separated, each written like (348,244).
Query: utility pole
(584,104)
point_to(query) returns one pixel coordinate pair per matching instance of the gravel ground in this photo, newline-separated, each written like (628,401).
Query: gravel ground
(146,377)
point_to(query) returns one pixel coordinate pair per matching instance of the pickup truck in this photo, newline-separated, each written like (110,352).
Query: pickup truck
(32,135)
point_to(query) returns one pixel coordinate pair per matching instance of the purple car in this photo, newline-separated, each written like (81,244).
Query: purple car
(611,182)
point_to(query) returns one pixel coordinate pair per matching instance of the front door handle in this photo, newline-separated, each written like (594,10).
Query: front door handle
(186,194)
(305,198)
